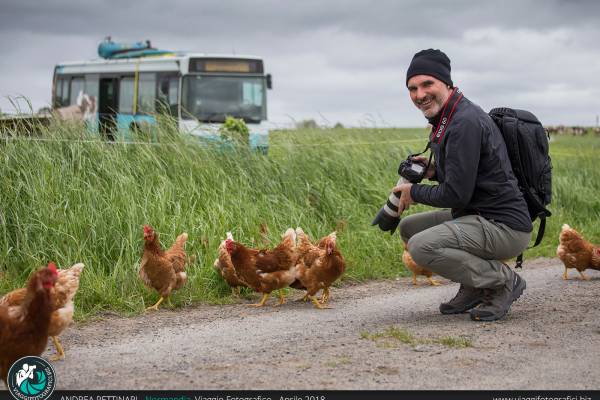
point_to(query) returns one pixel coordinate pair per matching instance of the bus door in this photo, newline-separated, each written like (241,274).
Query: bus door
(108,102)
(167,99)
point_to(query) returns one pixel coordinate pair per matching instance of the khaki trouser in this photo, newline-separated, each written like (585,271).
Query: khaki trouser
(467,250)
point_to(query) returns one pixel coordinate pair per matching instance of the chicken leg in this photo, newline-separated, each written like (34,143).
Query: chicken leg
(433,282)
(281,298)
(155,307)
(565,277)
(415,279)
(583,277)
(262,301)
(60,352)
(305,298)
(316,303)
(325,295)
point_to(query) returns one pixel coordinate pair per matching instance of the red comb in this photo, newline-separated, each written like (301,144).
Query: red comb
(147,228)
(52,267)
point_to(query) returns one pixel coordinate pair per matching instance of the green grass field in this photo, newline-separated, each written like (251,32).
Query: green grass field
(86,201)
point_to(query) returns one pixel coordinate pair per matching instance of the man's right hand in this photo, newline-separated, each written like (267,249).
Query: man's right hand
(430,168)
(405,198)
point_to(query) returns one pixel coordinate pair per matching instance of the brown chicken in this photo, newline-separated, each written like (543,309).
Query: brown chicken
(416,269)
(264,270)
(163,270)
(225,268)
(576,252)
(306,248)
(24,328)
(62,303)
(318,266)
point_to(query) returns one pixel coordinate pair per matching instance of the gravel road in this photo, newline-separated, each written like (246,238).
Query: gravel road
(549,340)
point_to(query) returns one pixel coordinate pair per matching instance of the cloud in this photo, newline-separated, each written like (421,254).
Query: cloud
(336,60)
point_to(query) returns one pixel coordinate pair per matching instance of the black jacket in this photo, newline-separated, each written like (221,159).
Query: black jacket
(474,172)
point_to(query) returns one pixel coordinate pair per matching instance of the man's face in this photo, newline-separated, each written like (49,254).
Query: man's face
(428,93)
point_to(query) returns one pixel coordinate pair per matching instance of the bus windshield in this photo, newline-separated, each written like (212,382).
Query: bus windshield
(211,98)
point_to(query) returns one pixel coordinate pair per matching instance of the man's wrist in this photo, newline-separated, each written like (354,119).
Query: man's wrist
(413,192)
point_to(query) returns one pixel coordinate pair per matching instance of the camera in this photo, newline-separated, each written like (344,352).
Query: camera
(388,216)
(413,171)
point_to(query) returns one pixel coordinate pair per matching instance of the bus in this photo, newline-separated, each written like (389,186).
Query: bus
(122,93)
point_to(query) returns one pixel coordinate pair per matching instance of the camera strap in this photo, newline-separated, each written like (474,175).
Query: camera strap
(437,134)
(418,154)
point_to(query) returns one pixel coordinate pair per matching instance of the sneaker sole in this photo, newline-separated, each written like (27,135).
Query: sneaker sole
(516,294)
(461,310)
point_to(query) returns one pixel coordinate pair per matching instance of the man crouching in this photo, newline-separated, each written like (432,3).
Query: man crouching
(486,217)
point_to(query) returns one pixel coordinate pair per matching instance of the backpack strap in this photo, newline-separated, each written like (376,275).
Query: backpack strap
(519,261)
(510,129)
(538,239)
(541,231)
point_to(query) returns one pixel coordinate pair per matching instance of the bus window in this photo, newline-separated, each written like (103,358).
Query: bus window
(61,98)
(173,91)
(252,93)
(57,92)
(64,100)
(212,98)
(146,93)
(168,94)
(126,95)
(77,86)
(91,85)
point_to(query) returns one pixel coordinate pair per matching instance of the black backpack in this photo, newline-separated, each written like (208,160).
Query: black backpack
(527,145)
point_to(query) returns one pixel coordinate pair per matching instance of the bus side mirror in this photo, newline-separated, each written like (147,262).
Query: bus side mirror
(269,81)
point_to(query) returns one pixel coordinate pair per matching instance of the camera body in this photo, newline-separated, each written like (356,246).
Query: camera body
(411,170)
(388,216)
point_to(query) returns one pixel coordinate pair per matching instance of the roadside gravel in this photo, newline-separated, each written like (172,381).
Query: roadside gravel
(549,340)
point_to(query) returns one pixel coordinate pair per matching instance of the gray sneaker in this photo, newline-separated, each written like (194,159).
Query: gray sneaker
(497,302)
(466,298)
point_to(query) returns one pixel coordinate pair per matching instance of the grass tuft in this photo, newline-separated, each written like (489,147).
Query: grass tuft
(455,342)
(393,336)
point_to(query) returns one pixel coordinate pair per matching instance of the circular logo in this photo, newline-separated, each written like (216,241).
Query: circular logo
(31,378)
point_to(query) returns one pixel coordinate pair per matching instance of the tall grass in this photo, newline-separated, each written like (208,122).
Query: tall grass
(75,198)
(575,191)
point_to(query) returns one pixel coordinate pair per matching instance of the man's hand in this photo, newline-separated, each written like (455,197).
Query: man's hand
(430,168)
(405,199)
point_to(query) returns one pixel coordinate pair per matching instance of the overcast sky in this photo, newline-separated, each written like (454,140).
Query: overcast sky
(334,60)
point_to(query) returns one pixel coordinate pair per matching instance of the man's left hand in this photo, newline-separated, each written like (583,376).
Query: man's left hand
(405,198)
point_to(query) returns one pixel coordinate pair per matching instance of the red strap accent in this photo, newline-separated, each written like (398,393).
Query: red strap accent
(449,117)
(433,132)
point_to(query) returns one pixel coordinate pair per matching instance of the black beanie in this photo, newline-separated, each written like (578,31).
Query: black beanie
(430,62)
